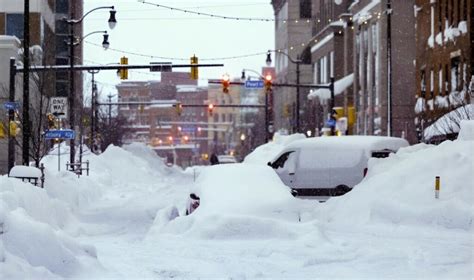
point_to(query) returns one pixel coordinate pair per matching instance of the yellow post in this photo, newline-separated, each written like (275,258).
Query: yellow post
(437,187)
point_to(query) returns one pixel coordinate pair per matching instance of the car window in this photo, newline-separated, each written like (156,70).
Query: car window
(280,162)
(381,154)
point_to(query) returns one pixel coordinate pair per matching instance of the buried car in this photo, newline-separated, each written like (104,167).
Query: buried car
(330,166)
(241,189)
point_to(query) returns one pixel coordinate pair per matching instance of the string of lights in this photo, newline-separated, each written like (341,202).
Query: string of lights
(177,58)
(285,20)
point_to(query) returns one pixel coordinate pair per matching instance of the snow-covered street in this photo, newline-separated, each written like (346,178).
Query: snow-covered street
(120,222)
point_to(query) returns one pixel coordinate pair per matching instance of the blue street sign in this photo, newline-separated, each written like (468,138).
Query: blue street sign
(60,134)
(11,105)
(331,122)
(254,84)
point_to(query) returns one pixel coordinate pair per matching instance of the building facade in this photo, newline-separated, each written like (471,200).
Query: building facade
(178,136)
(293,25)
(444,46)
(42,28)
(223,122)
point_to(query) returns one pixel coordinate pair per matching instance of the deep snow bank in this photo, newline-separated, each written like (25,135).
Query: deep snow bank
(34,239)
(399,190)
(237,201)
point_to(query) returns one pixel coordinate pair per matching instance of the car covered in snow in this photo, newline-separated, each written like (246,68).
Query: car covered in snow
(223,159)
(330,166)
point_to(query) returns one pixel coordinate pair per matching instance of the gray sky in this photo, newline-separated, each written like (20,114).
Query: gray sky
(154,31)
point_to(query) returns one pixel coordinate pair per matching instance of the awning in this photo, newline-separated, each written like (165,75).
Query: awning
(339,86)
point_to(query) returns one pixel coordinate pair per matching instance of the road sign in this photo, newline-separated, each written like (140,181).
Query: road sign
(254,84)
(331,122)
(11,105)
(58,107)
(60,134)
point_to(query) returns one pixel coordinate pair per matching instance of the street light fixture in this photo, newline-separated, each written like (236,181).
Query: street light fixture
(296,61)
(71,22)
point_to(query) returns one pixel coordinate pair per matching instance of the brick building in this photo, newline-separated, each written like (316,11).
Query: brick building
(444,46)
(181,138)
(292,34)
(222,129)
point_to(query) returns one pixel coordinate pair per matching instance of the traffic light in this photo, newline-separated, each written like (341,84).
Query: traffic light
(225,83)
(179,108)
(123,72)
(194,70)
(13,128)
(268,82)
(210,108)
(51,121)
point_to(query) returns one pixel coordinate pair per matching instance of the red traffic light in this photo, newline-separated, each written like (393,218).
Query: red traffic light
(268,81)
(225,83)
(210,107)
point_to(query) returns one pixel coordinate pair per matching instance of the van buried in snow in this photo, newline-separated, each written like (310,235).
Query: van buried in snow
(330,166)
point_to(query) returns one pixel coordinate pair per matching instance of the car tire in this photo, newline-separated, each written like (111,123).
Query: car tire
(341,190)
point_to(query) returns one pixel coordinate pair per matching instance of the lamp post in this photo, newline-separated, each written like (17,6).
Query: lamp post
(296,61)
(71,22)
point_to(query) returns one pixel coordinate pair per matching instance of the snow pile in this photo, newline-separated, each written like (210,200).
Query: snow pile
(34,235)
(242,201)
(467,130)
(399,190)
(266,152)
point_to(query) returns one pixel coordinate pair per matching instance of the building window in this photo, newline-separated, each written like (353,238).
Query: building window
(61,27)
(305,8)
(423,84)
(14,26)
(62,6)
(456,82)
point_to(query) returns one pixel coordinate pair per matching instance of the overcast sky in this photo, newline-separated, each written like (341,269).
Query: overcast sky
(153,31)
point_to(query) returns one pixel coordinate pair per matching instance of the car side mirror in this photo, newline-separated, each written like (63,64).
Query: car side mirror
(194,196)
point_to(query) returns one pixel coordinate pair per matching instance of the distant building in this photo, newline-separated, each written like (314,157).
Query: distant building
(223,122)
(444,62)
(179,137)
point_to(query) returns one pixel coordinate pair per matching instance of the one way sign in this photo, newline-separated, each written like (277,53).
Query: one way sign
(58,107)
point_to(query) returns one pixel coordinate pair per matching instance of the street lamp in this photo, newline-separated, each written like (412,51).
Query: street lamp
(296,61)
(71,22)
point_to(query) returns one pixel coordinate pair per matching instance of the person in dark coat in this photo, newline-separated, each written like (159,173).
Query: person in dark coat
(214,160)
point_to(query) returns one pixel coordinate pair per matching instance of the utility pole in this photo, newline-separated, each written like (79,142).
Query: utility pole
(72,119)
(11,116)
(389,70)
(93,114)
(26,84)
(298,61)
(110,108)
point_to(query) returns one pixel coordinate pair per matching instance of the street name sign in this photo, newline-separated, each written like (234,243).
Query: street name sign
(60,134)
(58,107)
(254,84)
(11,105)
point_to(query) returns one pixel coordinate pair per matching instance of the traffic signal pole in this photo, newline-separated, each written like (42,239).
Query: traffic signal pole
(11,116)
